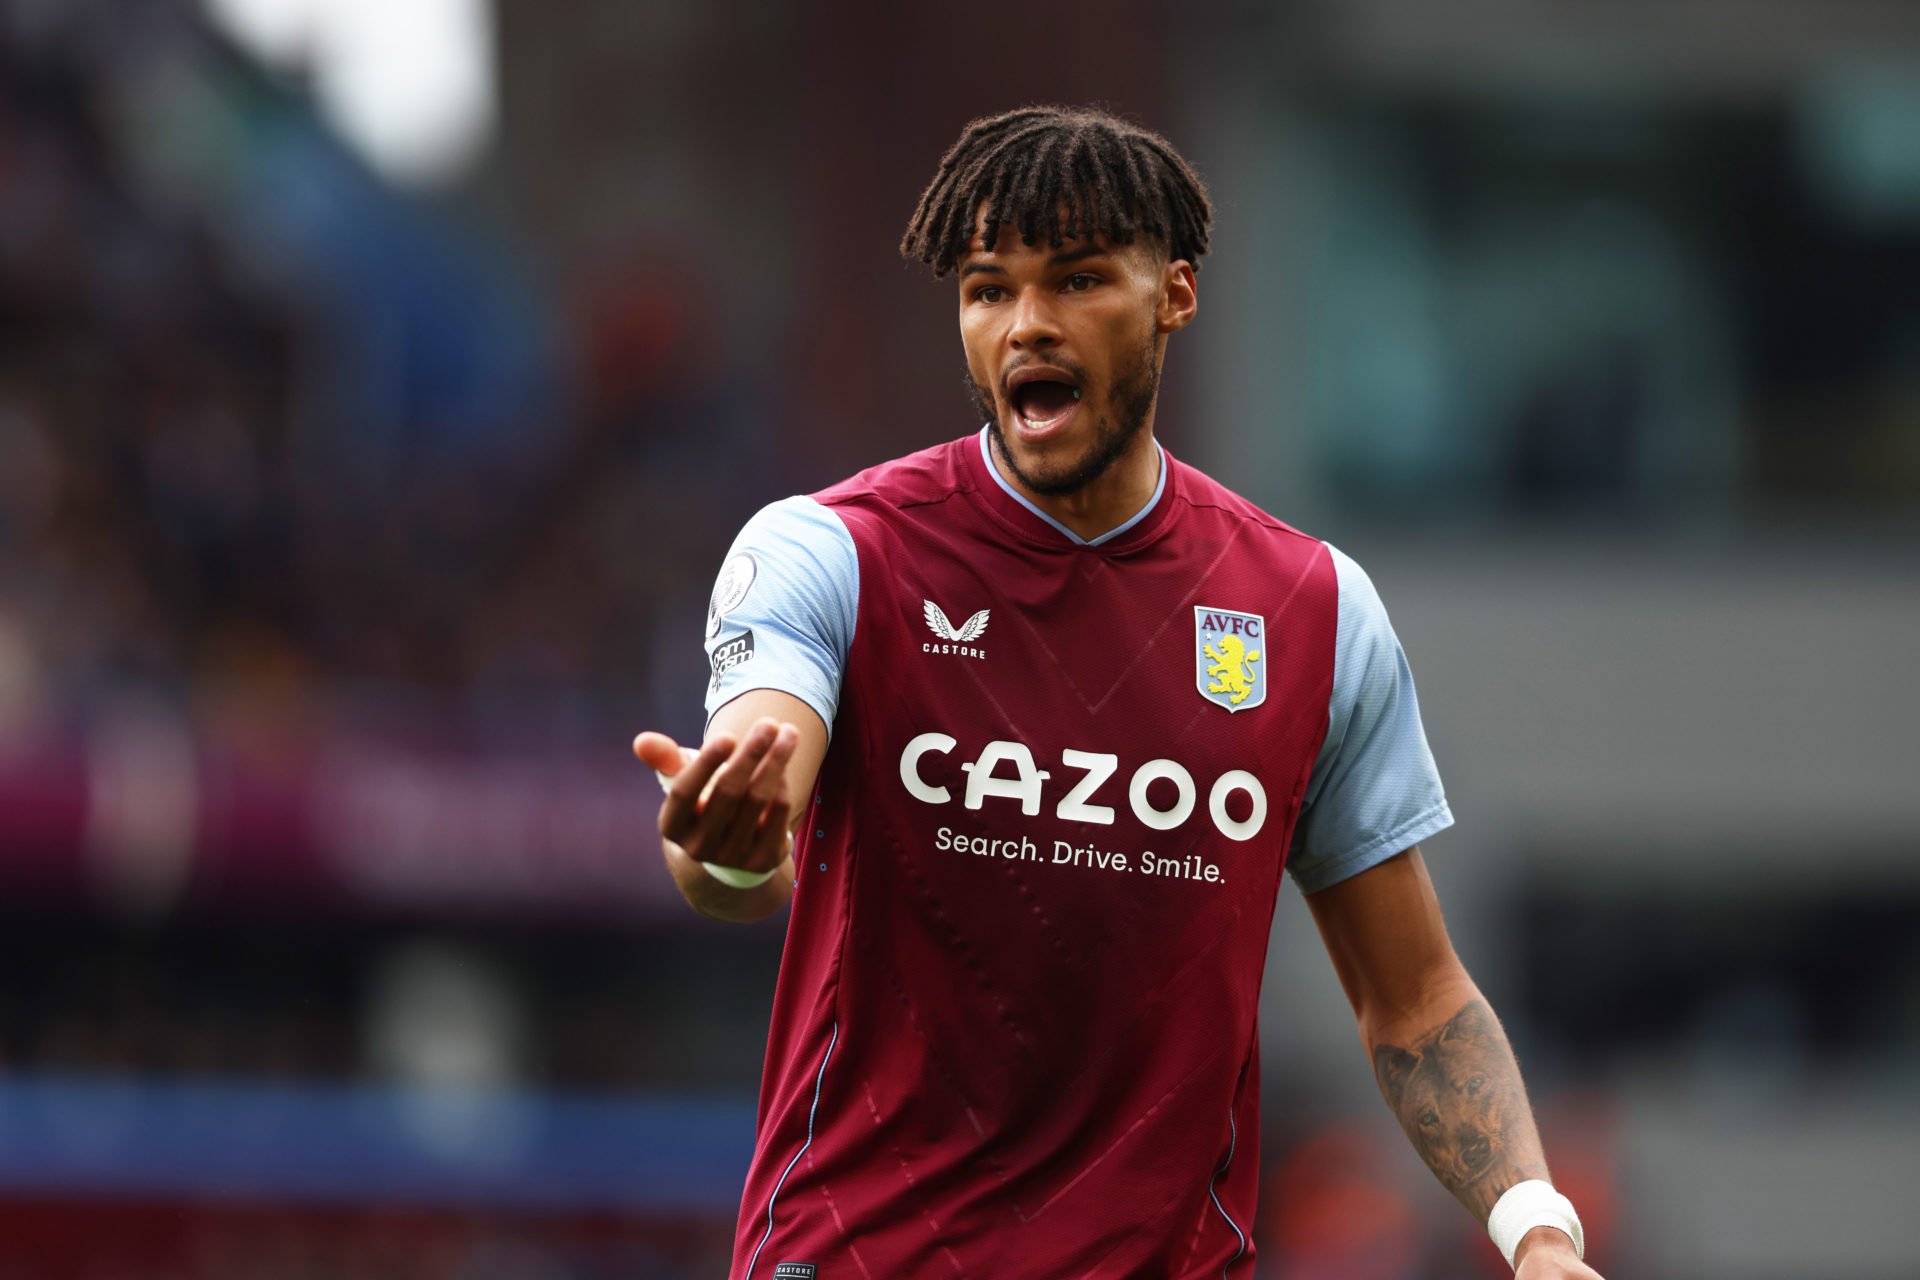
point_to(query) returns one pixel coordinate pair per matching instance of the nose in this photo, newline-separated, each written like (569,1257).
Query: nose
(1035,327)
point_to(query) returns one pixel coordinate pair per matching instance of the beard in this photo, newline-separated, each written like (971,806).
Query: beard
(1130,396)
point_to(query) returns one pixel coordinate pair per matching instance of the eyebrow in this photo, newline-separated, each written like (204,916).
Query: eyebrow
(1061,259)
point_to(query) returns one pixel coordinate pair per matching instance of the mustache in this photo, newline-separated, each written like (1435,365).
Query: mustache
(1069,367)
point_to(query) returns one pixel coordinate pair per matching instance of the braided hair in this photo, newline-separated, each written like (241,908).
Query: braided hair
(1062,173)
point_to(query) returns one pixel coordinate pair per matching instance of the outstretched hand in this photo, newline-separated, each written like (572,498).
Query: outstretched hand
(726,803)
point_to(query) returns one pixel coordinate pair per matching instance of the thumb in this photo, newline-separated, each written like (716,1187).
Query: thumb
(661,753)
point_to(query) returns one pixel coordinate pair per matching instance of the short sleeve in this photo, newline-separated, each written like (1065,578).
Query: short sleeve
(1374,790)
(783,608)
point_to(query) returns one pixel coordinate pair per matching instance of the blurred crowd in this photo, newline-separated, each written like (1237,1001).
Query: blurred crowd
(185,506)
(189,512)
(140,387)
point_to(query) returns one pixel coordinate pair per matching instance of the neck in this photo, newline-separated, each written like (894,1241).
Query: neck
(1104,503)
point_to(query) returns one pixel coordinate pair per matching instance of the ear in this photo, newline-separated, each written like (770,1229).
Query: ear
(1179,297)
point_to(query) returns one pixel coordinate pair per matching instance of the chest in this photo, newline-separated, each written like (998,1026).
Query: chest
(1177,693)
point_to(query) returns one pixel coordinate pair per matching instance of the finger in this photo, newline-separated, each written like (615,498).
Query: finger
(756,839)
(658,752)
(766,787)
(772,841)
(720,801)
(687,756)
(769,781)
(682,805)
(731,782)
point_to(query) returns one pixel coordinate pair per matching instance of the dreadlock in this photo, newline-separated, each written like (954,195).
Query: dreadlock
(1062,173)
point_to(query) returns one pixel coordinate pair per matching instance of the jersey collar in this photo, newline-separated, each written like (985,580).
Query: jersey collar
(1112,535)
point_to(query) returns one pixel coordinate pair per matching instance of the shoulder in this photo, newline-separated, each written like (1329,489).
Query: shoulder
(1241,538)
(799,519)
(929,475)
(797,533)
(1358,596)
(1211,501)
(1366,646)
(794,551)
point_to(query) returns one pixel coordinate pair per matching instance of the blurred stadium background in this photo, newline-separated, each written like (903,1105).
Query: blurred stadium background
(381,383)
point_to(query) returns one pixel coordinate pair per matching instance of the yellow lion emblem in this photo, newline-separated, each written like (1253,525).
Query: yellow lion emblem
(1232,669)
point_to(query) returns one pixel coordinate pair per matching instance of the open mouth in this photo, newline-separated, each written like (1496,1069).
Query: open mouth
(1045,403)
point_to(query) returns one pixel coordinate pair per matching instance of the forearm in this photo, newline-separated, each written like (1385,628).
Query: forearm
(1448,1073)
(719,901)
(1439,1054)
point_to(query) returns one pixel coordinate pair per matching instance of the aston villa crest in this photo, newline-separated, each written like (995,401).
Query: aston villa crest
(1229,657)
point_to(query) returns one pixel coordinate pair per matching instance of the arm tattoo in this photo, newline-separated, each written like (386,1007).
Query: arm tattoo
(1458,1095)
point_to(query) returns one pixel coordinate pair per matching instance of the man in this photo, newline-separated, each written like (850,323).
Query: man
(1050,711)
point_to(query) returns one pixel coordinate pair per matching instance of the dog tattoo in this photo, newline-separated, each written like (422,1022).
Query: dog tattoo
(1458,1094)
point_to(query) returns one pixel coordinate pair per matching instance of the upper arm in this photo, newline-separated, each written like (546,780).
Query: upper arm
(1374,790)
(1385,935)
(779,628)
(784,608)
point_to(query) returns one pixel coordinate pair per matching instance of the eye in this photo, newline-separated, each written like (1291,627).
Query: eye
(1080,282)
(1429,1118)
(988,293)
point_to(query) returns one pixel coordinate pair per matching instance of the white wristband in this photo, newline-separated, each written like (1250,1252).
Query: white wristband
(1531,1204)
(736,877)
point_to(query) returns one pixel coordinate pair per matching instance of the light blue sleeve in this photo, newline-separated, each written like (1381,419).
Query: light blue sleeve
(783,608)
(1374,790)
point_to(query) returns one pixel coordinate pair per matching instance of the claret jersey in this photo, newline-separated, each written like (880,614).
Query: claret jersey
(1014,1032)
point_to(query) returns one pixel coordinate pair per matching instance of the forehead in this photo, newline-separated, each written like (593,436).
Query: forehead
(1008,247)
